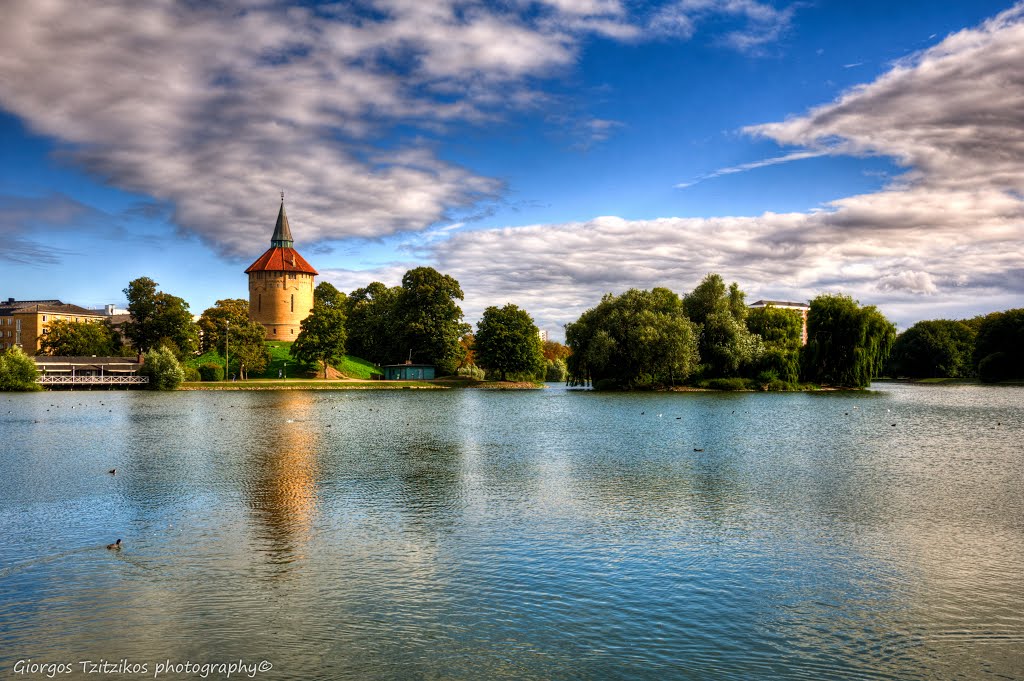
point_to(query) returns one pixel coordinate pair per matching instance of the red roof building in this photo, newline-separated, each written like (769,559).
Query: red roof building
(281,284)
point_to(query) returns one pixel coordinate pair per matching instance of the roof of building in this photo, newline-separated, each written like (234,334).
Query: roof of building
(281,256)
(282,232)
(778,303)
(50,360)
(11,306)
(281,260)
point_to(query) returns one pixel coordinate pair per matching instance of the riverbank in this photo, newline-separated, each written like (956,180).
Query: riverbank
(448,383)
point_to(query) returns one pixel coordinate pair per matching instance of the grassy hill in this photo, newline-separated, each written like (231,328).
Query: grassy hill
(280,360)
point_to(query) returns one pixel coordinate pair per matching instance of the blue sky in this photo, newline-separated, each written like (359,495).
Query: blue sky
(543,153)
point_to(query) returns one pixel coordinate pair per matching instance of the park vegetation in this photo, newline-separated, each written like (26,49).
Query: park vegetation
(18,372)
(226,327)
(986,347)
(507,343)
(82,339)
(322,334)
(709,338)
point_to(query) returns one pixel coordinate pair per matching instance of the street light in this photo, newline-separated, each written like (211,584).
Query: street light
(227,364)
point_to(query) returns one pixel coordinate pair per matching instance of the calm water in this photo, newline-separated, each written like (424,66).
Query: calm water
(530,535)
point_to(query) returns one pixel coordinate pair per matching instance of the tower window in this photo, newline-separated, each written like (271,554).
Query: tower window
(259,302)
(293,306)
(275,330)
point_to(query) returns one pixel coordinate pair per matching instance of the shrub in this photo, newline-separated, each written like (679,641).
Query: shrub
(729,384)
(191,374)
(17,371)
(163,369)
(211,372)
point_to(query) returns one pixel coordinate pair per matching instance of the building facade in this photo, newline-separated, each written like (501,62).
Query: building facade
(281,285)
(24,323)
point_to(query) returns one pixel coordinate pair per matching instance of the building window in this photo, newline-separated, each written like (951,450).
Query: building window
(293,305)
(275,330)
(44,318)
(259,303)
(293,332)
(291,275)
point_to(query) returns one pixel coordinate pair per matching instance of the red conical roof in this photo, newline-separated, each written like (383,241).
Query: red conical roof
(281,260)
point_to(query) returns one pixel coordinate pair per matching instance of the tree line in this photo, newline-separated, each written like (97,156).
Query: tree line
(988,347)
(710,337)
(636,339)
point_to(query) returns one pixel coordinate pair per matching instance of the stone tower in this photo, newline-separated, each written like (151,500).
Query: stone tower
(280,285)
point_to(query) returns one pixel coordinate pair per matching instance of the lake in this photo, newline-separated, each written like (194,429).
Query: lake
(551,534)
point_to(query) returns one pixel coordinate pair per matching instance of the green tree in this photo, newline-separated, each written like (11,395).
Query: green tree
(555,370)
(508,342)
(639,338)
(428,322)
(726,346)
(321,336)
(246,344)
(163,369)
(847,345)
(997,349)
(158,318)
(17,371)
(80,339)
(371,323)
(781,334)
(933,349)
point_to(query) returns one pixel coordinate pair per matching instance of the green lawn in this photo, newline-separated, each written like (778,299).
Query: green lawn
(281,360)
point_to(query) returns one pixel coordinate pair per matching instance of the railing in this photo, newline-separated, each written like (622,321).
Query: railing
(93,380)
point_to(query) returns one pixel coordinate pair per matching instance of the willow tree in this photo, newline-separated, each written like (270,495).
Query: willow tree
(847,345)
(726,346)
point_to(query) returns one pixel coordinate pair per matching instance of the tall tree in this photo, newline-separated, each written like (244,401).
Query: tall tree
(934,348)
(371,323)
(79,339)
(508,342)
(781,334)
(428,320)
(726,346)
(229,320)
(158,318)
(637,338)
(321,336)
(847,345)
(997,349)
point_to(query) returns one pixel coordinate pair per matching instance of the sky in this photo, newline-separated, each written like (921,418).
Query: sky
(543,153)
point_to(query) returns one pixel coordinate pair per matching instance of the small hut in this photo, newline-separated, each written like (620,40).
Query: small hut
(408,372)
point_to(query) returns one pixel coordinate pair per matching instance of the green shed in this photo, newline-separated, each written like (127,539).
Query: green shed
(408,372)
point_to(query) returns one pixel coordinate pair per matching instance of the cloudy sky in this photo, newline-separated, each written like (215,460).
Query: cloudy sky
(541,152)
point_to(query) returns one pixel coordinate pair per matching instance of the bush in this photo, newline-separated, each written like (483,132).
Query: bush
(163,369)
(17,371)
(728,384)
(211,372)
(191,374)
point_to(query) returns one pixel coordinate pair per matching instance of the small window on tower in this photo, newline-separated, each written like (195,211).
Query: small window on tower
(275,331)
(293,305)
(259,302)
(291,275)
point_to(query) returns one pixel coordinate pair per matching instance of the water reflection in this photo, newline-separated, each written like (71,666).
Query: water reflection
(281,465)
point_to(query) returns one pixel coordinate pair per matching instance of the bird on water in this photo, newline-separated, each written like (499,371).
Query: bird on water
(116,546)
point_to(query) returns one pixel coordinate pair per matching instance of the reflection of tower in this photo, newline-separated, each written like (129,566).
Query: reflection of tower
(282,489)
(280,284)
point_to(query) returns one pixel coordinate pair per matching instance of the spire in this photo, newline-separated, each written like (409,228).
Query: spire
(282,232)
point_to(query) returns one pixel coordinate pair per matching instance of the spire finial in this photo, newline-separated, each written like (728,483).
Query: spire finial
(282,197)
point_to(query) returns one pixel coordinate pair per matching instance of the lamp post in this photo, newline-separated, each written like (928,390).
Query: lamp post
(227,363)
(286,370)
